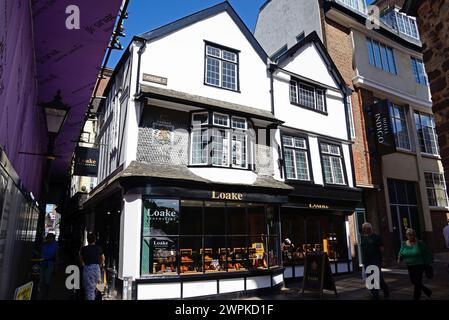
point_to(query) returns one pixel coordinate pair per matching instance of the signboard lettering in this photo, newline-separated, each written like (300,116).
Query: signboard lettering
(318,206)
(155,79)
(86,162)
(227,195)
(381,127)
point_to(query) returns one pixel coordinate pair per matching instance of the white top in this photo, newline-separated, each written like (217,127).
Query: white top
(446,235)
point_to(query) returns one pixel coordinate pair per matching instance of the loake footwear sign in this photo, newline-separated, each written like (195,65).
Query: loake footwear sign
(227,195)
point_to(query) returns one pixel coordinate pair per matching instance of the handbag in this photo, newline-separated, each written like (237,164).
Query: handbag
(102,284)
(428,271)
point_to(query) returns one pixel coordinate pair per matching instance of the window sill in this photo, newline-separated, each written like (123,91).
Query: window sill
(217,167)
(309,108)
(437,208)
(297,181)
(406,151)
(217,87)
(431,156)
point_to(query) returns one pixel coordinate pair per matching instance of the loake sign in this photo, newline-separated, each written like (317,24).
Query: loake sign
(227,195)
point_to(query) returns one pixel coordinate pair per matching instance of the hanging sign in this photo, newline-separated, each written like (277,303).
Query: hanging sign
(381,127)
(86,162)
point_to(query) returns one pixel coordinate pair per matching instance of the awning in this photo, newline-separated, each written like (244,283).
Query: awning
(69,59)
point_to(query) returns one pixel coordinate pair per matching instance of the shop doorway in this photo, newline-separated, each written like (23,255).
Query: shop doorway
(404,209)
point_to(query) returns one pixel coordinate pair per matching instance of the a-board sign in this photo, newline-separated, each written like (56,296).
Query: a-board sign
(317,273)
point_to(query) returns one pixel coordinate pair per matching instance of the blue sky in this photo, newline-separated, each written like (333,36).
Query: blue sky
(145,15)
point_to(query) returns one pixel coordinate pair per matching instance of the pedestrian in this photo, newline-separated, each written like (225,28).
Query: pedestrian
(417,256)
(446,238)
(49,257)
(92,259)
(372,250)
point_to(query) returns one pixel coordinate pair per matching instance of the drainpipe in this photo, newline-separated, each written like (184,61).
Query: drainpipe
(139,52)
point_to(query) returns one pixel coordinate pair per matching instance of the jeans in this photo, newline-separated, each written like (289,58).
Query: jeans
(91,276)
(46,277)
(416,274)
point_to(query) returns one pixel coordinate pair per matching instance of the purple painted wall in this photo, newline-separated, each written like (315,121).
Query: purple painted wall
(22,124)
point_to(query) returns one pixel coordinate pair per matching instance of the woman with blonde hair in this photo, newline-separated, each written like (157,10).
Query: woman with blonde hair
(417,256)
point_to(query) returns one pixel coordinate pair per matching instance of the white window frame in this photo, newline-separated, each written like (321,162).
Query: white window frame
(434,189)
(420,114)
(297,86)
(393,125)
(220,60)
(331,155)
(293,148)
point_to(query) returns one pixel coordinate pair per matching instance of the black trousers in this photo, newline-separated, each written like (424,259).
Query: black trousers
(416,274)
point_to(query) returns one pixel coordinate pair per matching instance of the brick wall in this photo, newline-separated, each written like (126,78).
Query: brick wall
(339,45)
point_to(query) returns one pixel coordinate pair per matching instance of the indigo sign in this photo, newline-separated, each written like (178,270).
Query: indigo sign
(383,132)
(86,162)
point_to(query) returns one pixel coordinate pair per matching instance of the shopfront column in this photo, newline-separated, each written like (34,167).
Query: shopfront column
(130,233)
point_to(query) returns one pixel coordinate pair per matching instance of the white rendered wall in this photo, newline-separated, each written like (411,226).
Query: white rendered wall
(225,175)
(180,57)
(130,231)
(315,160)
(347,159)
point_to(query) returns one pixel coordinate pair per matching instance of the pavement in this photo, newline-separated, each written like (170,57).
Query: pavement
(352,287)
(349,287)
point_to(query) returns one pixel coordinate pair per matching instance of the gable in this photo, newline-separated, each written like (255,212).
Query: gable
(309,63)
(202,15)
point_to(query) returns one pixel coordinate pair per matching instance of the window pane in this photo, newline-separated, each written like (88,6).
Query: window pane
(162,216)
(229,56)
(257,252)
(337,170)
(300,143)
(287,141)
(369,45)
(213,51)
(293,92)
(229,75)
(289,164)
(421,72)
(214,254)
(236,219)
(415,70)
(159,255)
(199,146)
(377,58)
(213,71)
(190,255)
(238,255)
(214,218)
(220,147)
(239,150)
(192,218)
(383,51)
(320,100)
(200,118)
(238,123)
(256,220)
(391,61)
(302,167)
(221,119)
(306,95)
(327,169)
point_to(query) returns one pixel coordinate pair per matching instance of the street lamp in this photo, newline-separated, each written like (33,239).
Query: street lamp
(55,115)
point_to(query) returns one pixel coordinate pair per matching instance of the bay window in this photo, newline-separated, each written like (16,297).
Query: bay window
(222,143)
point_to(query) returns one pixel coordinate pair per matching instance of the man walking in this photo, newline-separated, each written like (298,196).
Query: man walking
(372,249)
(49,256)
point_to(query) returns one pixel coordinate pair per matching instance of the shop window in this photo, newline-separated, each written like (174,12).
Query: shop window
(310,233)
(159,236)
(194,237)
